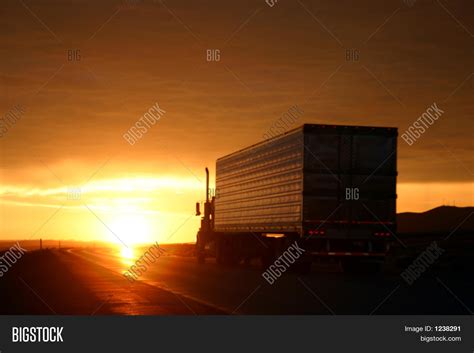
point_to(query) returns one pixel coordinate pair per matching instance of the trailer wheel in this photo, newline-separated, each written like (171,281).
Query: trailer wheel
(360,266)
(303,266)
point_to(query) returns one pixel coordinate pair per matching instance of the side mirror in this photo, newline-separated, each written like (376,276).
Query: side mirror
(198,209)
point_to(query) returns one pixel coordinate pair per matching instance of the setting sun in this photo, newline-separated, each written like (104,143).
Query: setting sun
(131,229)
(127,253)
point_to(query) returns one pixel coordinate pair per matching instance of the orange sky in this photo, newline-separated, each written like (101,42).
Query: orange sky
(271,58)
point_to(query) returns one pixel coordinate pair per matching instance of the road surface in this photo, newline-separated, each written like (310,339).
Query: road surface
(242,290)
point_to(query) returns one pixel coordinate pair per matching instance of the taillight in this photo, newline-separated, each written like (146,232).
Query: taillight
(316,232)
(382,234)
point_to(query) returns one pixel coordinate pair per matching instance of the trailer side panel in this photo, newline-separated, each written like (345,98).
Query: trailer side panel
(259,189)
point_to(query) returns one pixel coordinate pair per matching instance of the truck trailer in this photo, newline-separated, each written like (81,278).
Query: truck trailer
(330,188)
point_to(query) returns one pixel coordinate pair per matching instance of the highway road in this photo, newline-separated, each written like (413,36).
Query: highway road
(242,290)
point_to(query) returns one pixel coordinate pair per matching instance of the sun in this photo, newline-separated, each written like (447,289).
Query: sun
(127,256)
(127,253)
(131,229)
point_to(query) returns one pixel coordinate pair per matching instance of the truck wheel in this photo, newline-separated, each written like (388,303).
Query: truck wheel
(220,252)
(199,249)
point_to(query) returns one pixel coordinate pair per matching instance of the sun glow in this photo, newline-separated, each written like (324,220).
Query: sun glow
(123,211)
(131,229)
(127,256)
(127,253)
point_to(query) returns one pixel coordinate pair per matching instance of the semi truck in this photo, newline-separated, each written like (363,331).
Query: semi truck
(330,188)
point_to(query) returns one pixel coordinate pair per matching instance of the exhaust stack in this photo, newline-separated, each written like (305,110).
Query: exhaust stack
(207,185)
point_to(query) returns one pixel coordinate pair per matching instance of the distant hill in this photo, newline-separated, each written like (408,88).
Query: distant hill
(439,219)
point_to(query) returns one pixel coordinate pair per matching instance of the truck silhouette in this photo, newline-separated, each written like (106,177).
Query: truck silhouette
(331,188)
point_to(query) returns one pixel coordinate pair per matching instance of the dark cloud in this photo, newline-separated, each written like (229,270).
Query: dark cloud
(271,59)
